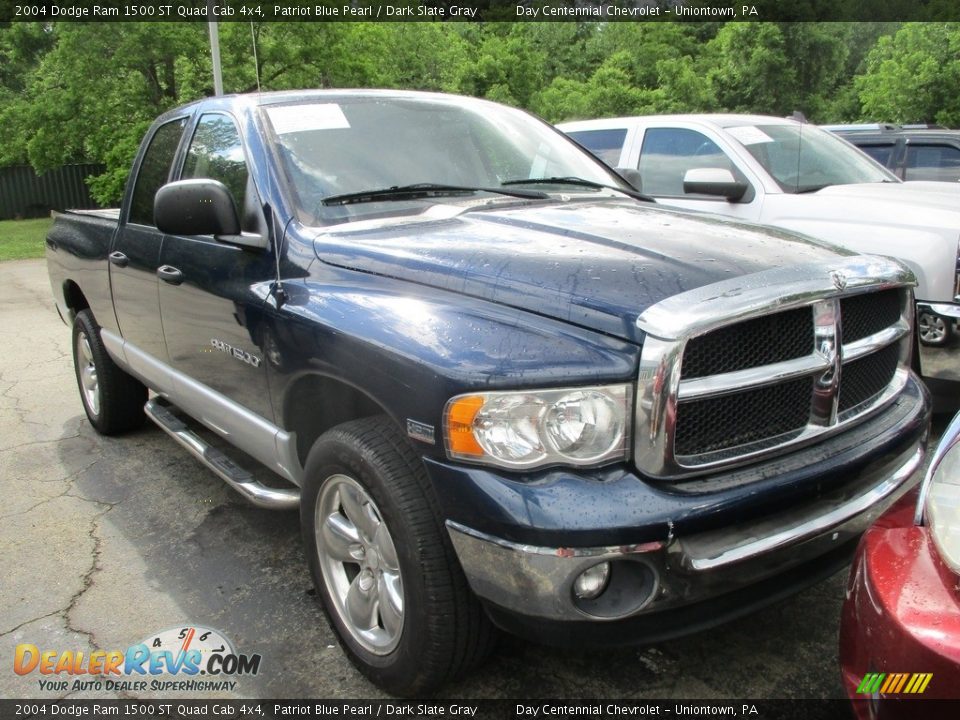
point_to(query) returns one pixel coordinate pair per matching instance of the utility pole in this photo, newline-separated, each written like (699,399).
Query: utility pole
(215,49)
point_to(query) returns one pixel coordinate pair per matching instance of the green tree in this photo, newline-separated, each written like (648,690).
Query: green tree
(842,103)
(913,76)
(749,69)
(607,93)
(568,49)
(682,87)
(415,56)
(94,93)
(819,54)
(22,47)
(776,68)
(645,45)
(502,65)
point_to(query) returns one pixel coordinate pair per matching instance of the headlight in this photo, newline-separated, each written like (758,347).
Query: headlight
(528,429)
(942,491)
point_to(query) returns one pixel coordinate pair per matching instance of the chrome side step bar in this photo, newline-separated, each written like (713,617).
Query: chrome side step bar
(237,477)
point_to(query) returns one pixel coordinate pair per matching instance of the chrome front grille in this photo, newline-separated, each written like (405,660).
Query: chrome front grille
(788,355)
(755,415)
(864,379)
(867,314)
(752,343)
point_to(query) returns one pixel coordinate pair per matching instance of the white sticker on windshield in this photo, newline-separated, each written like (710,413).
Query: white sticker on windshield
(314,116)
(749,135)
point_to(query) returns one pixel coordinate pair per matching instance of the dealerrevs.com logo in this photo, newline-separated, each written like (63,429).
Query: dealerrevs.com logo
(190,659)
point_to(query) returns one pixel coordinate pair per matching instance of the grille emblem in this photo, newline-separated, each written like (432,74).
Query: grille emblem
(839,279)
(826,317)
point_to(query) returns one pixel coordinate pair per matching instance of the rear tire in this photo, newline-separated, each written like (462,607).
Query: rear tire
(112,399)
(382,562)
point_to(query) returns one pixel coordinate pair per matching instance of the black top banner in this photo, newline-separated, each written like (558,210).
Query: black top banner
(478,10)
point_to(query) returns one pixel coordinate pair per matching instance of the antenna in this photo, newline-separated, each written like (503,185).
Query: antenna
(256,60)
(278,290)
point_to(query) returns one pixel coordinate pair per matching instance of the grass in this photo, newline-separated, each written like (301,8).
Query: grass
(23,239)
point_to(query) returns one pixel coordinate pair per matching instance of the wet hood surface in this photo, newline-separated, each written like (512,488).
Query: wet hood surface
(596,263)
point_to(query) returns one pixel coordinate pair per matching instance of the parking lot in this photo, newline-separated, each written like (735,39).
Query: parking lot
(110,541)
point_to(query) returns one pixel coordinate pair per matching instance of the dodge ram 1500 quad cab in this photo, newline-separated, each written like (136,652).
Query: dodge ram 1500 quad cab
(503,389)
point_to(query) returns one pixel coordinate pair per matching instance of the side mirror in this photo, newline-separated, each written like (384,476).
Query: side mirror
(713,181)
(632,176)
(201,207)
(195,207)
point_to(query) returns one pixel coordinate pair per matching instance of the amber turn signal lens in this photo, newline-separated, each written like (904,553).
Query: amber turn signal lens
(460,416)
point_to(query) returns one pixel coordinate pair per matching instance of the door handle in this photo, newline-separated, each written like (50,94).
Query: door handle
(170,274)
(118,259)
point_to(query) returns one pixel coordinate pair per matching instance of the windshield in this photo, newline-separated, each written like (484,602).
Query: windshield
(358,144)
(804,158)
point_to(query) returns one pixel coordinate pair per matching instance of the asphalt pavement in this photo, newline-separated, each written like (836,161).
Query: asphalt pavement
(111,541)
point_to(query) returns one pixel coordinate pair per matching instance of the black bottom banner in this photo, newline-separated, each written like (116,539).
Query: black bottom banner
(483,709)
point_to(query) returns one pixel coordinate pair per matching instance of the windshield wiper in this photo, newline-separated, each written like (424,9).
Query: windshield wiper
(578,181)
(423,190)
(810,189)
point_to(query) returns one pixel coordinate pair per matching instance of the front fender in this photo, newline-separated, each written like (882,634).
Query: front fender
(930,255)
(410,348)
(924,236)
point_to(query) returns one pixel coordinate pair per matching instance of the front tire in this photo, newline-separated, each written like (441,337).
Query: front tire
(382,563)
(112,399)
(934,329)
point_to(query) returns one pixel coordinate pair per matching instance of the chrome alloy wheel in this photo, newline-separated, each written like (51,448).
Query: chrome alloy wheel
(933,328)
(359,564)
(87,371)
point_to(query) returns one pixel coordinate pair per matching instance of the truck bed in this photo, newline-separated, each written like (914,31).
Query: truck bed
(77,248)
(105,213)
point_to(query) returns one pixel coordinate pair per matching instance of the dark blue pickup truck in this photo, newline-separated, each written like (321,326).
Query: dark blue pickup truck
(503,389)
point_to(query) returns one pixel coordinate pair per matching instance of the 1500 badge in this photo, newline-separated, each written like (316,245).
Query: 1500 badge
(238,353)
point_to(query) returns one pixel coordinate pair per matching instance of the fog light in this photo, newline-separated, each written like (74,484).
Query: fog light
(592,581)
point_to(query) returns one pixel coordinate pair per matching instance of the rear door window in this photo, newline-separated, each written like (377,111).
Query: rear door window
(606,144)
(155,170)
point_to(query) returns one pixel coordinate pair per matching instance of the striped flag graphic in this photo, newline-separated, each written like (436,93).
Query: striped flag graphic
(894,683)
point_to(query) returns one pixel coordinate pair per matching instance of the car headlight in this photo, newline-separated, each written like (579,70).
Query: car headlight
(942,496)
(528,429)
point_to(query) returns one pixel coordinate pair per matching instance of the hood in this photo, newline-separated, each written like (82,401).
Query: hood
(917,222)
(596,263)
(923,204)
(949,191)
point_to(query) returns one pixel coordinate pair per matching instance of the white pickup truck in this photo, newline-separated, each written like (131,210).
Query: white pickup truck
(794,175)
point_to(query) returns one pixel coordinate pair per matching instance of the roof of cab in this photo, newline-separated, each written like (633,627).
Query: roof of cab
(248,101)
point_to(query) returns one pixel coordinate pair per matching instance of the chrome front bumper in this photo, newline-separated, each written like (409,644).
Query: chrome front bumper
(677,571)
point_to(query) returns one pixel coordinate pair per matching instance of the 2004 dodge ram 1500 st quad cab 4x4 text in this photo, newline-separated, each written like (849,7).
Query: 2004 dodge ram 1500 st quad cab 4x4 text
(502,388)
